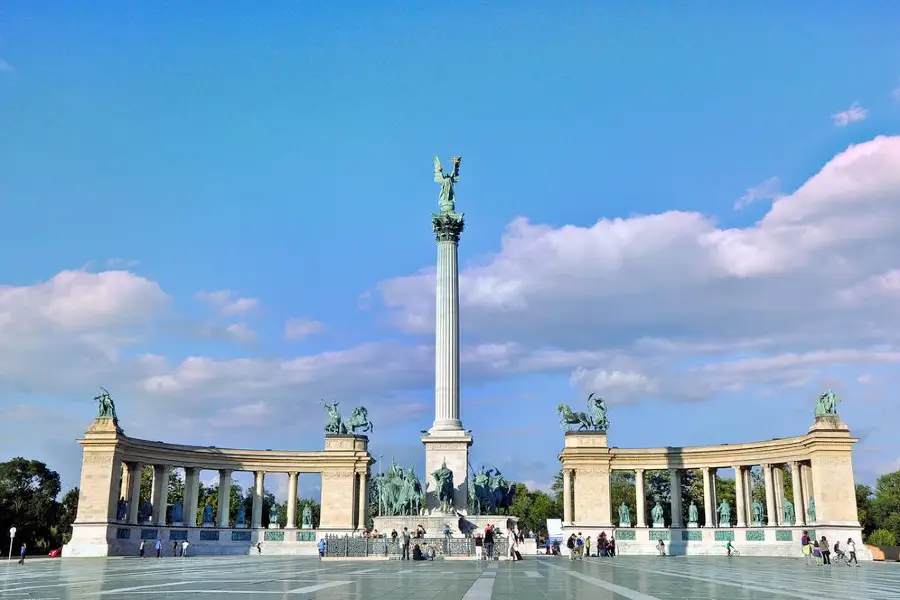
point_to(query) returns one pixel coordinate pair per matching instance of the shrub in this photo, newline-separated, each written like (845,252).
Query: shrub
(882,537)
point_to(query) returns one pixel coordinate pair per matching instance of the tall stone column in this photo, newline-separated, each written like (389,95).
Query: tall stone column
(567,497)
(160,493)
(191,495)
(709,497)
(799,512)
(771,511)
(292,501)
(675,497)
(258,492)
(808,491)
(778,479)
(223,517)
(125,487)
(363,503)
(447,443)
(134,493)
(639,499)
(739,497)
(748,495)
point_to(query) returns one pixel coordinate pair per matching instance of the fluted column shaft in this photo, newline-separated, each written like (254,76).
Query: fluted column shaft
(191,495)
(567,496)
(258,491)
(160,493)
(772,515)
(363,505)
(134,493)
(223,517)
(639,497)
(740,496)
(446,343)
(291,509)
(675,497)
(799,520)
(709,497)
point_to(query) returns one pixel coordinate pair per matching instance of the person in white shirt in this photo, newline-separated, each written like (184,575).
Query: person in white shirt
(851,550)
(184,547)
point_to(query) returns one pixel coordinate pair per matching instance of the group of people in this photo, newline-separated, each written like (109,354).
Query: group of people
(819,552)
(580,547)
(177,549)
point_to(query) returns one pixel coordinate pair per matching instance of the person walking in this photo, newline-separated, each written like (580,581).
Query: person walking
(158,548)
(404,541)
(184,547)
(851,550)
(141,549)
(321,546)
(22,554)
(174,548)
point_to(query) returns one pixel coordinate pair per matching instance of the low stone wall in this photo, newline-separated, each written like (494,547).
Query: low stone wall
(445,547)
(888,553)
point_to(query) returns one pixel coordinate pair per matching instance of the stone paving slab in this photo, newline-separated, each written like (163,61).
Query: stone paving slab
(625,578)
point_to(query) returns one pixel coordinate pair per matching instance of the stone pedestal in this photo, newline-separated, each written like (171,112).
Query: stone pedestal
(692,526)
(450,448)
(657,526)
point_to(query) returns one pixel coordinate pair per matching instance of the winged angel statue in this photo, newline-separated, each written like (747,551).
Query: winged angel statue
(447,199)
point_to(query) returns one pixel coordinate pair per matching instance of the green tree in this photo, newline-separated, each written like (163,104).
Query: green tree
(314,506)
(885,506)
(622,489)
(863,508)
(882,537)
(28,491)
(556,488)
(68,509)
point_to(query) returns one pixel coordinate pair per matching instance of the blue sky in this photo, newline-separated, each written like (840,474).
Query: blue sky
(154,154)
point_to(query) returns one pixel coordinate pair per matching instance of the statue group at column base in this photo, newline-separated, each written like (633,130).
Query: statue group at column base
(434,525)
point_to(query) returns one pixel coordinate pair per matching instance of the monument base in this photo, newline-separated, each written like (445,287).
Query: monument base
(434,524)
(692,526)
(451,448)
(751,541)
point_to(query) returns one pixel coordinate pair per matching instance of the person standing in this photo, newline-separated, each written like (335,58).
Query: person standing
(141,549)
(851,549)
(479,543)
(826,551)
(184,547)
(587,546)
(22,554)
(489,542)
(158,548)
(321,546)
(404,541)
(611,547)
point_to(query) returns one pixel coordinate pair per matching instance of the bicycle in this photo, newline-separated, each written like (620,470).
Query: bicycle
(840,558)
(734,551)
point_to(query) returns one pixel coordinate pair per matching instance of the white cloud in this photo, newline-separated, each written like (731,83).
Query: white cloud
(240,333)
(647,293)
(228,302)
(298,328)
(5,67)
(767,190)
(851,115)
(121,263)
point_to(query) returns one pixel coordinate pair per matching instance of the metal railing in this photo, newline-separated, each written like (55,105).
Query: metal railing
(444,546)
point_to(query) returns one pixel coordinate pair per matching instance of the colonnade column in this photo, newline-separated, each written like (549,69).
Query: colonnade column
(134,493)
(778,479)
(363,505)
(771,511)
(159,497)
(740,497)
(125,482)
(748,495)
(708,497)
(808,492)
(567,496)
(675,497)
(291,509)
(258,491)
(799,511)
(223,517)
(191,495)
(641,510)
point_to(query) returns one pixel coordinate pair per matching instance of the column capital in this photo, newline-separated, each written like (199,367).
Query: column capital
(225,472)
(641,471)
(448,226)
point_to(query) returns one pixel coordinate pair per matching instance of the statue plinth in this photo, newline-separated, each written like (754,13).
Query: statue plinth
(828,423)
(693,525)
(659,526)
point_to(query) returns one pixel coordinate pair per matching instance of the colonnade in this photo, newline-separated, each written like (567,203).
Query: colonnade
(773,481)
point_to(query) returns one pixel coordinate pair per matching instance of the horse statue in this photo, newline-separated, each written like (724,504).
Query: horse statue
(568,418)
(334,424)
(597,410)
(359,420)
(827,404)
(444,479)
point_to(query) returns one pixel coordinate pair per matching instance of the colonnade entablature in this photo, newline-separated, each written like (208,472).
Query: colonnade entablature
(818,463)
(111,482)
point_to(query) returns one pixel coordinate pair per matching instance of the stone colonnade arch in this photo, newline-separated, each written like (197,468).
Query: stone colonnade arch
(110,471)
(823,493)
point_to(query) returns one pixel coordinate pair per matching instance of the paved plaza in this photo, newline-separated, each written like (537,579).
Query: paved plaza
(633,578)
